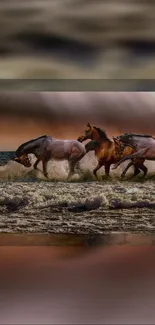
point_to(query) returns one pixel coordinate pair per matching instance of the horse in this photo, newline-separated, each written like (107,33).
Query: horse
(46,148)
(143,145)
(136,163)
(105,149)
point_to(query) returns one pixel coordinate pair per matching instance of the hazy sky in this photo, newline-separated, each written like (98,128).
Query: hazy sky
(24,115)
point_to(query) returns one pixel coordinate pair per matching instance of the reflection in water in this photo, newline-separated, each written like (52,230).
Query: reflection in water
(76,241)
(106,285)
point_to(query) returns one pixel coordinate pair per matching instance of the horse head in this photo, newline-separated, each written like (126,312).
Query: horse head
(87,134)
(23,160)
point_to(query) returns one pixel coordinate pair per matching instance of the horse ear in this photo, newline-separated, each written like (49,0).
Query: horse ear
(89,125)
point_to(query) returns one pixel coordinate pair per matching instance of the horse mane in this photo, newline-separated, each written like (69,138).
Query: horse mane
(28,142)
(102,133)
(128,135)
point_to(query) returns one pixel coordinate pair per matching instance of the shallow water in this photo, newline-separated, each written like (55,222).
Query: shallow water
(76,242)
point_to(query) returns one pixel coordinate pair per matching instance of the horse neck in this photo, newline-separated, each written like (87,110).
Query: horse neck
(96,136)
(29,147)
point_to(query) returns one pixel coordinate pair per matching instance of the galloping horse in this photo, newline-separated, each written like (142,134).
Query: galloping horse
(136,163)
(143,145)
(46,147)
(105,150)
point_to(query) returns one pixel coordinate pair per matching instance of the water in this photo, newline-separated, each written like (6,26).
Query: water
(6,156)
(77,241)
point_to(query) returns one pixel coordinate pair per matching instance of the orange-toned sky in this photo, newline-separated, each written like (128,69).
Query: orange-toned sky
(14,131)
(24,116)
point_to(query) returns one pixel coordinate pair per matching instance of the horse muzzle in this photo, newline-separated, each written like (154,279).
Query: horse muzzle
(16,160)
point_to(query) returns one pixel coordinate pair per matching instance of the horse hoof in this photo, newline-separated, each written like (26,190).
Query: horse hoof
(122,176)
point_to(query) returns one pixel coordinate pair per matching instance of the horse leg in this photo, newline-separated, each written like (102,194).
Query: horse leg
(74,160)
(144,169)
(137,171)
(107,169)
(137,154)
(45,160)
(44,166)
(36,163)
(99,165)
(139,164)
(44,163)
(71,168)
(126,169)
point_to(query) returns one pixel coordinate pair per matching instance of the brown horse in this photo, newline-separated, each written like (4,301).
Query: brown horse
(46,148)
(106,151)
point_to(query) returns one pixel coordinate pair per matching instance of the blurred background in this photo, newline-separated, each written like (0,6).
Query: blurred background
(77,39)
(24,115)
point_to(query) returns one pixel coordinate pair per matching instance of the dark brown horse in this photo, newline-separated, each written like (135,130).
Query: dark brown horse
(105,150)
(46,148)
